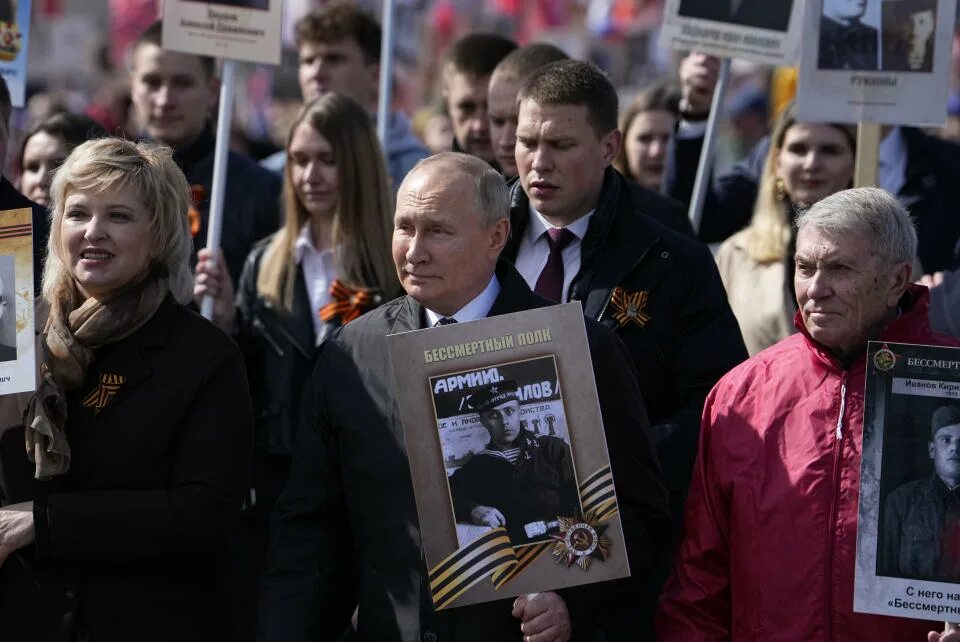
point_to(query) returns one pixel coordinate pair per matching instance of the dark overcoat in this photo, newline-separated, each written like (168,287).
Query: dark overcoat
(131,541)
(346,530)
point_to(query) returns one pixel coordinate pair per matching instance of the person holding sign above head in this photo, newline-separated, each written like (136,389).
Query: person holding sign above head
(761,14)
(135,449)
(845,42)
(519,480)
(346,529)
(771,523)
(920,537)
(173,94)
(919,169)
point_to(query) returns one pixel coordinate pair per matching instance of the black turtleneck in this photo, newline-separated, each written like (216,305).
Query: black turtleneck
(202,147)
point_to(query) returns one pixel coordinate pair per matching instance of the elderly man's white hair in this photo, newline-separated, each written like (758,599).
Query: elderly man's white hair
(870,212)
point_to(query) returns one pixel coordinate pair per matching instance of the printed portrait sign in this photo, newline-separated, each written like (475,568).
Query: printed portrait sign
(237,29)
(765,31)
(908,540)
(876,61)
(14,35)
(508,456)
(18,366)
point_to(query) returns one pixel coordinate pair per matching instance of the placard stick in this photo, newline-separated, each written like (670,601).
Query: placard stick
(221,154)
(950,627)
(705,168)
(868,155)
(386,73)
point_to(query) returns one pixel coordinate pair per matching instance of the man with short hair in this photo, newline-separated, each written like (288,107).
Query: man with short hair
(173,94)
(466,76)
(339,51)
(771,521)
(928,508)
(504,84)
(346,530)
(581,232)
(520,481)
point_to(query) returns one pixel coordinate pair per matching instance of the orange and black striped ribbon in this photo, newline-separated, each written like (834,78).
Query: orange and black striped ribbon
(347,304)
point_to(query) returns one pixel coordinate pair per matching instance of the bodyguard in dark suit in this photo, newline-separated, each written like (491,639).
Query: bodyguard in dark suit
(346,531)
(581,232)
(763,14)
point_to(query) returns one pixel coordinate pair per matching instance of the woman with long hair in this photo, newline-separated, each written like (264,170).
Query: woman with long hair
(648,125)
(329,263)
(806,163)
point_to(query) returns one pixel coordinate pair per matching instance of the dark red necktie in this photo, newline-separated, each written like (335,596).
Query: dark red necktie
(550,283)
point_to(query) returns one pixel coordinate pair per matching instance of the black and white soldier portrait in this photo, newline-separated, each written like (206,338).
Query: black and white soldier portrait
(847,41)
(909,28)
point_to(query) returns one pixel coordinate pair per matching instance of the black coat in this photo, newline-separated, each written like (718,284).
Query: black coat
(765,14)
(929,193)
(251,205)
(11,199)
(130,542)
(691,338)
(350,490)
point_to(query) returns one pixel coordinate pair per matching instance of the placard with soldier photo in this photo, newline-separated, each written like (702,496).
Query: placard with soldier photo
(908,540)
(765,31)
(14,38)
(18,368)
(876,61)
(237,29)
(508,456)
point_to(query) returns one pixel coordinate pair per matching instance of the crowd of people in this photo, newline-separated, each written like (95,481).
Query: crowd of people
(245,478)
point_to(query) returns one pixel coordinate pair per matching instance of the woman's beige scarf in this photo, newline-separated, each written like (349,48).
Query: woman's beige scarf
(73,334)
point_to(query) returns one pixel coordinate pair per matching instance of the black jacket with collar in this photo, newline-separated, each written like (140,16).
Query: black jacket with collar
(346,530)
(690,338)
(131,541)
(930,192)
(251,204)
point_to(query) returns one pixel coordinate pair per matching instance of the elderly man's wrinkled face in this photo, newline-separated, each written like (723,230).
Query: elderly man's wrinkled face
(503,423)
(844,292)
(443,253)
(945,453)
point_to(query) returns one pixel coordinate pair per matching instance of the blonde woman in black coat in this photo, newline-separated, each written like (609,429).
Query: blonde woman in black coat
(138,439)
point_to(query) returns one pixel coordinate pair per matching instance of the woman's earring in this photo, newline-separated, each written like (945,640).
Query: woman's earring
(780,190)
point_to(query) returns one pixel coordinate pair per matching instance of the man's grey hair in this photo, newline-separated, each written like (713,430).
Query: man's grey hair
(870,212)
(492,200)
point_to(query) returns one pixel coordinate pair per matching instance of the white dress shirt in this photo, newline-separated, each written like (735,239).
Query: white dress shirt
(892,171)
(478,308)
(534,250)
(319,271)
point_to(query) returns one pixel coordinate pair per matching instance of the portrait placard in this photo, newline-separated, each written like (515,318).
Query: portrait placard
(764,31)
(18,368)
(14,38)
(237,29)
(876,61)
(908,536)
(508,456)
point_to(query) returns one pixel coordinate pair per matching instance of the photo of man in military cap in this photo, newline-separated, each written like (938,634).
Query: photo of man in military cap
(520,480)
(920,537)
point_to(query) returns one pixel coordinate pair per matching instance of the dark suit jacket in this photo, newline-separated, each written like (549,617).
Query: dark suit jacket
(763,14)
(350,490)
(130,542)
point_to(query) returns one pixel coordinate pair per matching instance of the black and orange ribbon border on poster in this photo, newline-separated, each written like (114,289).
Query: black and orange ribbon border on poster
(492,554)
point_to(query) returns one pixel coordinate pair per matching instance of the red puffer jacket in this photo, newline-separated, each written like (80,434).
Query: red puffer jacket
(771,520)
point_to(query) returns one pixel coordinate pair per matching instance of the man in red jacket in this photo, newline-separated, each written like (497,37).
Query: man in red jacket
(771,520)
